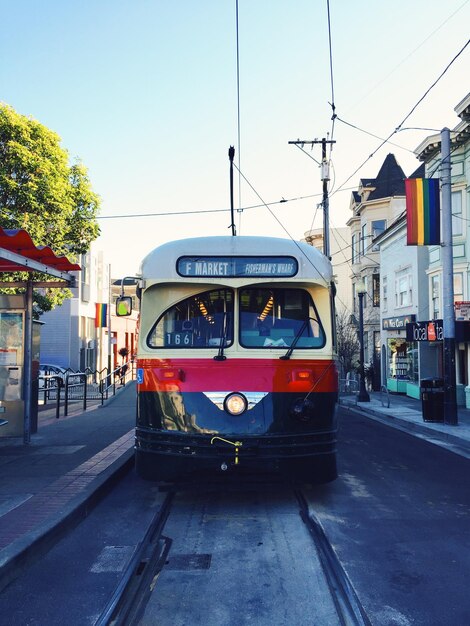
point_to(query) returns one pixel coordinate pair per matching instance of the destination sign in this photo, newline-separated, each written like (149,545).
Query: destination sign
(217,267)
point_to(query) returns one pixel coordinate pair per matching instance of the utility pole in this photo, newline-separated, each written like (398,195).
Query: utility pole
(325,176)
(450,398)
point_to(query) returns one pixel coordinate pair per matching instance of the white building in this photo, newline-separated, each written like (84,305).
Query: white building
(69,337)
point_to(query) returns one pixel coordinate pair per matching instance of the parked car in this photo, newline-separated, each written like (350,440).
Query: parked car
(46,369)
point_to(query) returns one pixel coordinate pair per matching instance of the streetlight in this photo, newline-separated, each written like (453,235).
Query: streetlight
(362,396)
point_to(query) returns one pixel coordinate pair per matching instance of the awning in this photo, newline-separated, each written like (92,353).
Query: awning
(19,253)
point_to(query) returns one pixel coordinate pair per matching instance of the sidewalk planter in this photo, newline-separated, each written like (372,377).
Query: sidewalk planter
(432,399)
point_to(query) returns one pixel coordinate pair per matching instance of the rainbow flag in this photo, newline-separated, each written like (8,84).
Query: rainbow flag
(101,315)
(422,212)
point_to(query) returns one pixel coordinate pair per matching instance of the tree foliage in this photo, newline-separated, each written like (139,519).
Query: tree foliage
(41,193)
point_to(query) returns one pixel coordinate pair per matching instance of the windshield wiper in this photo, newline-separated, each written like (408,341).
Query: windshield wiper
(220,356)
(287,355)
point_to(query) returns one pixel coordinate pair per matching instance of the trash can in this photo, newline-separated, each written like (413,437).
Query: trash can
(432,399)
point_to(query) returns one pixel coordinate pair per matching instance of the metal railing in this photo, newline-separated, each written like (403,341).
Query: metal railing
(348,386)
(84,386)
(51,390)
(118,377)
(385,396)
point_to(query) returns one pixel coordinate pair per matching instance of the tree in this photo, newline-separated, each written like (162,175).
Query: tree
(41,193)
(347,342)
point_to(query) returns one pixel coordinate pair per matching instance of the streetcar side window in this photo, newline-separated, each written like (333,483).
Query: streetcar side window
(200,321)
(272,318)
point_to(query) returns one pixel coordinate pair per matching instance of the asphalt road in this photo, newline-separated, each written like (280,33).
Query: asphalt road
(398,517)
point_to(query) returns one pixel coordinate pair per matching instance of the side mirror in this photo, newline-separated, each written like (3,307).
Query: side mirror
(123,306)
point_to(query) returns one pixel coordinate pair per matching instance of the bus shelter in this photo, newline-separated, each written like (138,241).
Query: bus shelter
(18,253)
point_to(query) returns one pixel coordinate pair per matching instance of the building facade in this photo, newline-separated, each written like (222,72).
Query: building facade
(376,204)
(340,258)
(429,152)
(69,336)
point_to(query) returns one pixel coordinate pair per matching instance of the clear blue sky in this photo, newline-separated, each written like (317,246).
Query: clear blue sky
(144,93)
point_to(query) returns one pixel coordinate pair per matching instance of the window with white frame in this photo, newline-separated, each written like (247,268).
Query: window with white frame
(363,239)
(375,289)
(458,287)
(378,227)
(435,296)
(384,293)
(354,248)
(403,288)
(457,221)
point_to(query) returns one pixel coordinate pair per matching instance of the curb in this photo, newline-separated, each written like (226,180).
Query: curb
(27,549)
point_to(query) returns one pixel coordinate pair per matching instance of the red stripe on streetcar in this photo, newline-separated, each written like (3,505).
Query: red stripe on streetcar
(271,375)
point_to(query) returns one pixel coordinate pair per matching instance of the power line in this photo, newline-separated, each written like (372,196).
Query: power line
(372,134)
(240,210)
(281,224)
(398,128)
(385,78)
(332,103)
(196,212)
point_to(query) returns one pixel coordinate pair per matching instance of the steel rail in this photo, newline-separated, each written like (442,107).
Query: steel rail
(349,608)
(131,594)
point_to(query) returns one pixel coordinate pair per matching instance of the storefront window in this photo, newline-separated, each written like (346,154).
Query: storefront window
(398,358)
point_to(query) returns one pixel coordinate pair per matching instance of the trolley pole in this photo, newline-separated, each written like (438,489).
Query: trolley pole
(325,176)
(450,398)
(231,154)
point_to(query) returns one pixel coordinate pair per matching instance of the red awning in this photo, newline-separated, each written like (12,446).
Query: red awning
(20,242)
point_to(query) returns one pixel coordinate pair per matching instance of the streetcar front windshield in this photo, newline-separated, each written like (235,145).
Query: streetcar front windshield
(204,320)
(275,318)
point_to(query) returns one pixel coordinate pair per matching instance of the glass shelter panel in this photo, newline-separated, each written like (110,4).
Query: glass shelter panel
(11,355)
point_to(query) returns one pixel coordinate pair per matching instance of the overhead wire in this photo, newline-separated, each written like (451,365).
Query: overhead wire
(195,212)
(239,210)
(397,129)
(385,78)
(282,225)
(332,85)
(372,134)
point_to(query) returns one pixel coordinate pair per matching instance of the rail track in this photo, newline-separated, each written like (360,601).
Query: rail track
(185,514)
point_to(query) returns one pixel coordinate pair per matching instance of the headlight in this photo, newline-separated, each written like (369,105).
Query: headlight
(235,404)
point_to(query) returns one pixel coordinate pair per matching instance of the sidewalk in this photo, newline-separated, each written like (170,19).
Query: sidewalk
(49,485)
(406,414)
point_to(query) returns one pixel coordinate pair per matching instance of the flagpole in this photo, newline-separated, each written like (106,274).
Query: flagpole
(450,395)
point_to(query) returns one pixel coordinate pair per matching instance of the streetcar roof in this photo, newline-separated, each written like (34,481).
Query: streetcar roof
(161,263)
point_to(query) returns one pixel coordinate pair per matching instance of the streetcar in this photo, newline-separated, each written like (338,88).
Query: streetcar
(236,367)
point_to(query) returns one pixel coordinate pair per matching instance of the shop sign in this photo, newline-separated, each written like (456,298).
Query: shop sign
(462,311)
(397,323)
(432,330)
